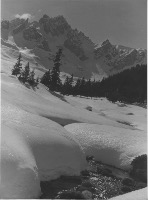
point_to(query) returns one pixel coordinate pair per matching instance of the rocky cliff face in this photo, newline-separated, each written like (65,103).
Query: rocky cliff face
(118,57)
(80,55)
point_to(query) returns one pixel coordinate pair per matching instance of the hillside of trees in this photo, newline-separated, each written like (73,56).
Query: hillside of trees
(129,86)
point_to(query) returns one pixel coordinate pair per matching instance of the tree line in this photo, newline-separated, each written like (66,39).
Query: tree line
(25,75)
(128,86)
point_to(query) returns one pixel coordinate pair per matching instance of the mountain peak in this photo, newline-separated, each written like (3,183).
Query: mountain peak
(81,56)
(106,42)
(59,18)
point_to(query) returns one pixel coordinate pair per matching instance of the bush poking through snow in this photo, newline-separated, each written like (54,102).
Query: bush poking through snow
(127,182)
(139,168)
(87,194)
(89,108)
(126,189)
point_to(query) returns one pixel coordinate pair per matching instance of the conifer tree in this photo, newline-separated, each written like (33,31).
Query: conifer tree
(65,88)
(31,79)
(71,80)
(55,73)
(25,73)
(89,88)
(76,89)
(17,67)
(82,86)
(46,79)
(68,85)
(36,82)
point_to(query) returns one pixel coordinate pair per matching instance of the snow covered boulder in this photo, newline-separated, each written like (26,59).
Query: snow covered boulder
(111,145)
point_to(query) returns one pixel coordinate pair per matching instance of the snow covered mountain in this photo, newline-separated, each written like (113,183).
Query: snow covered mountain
(80,55)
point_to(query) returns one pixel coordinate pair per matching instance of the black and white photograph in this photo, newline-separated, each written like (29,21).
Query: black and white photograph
(73,99)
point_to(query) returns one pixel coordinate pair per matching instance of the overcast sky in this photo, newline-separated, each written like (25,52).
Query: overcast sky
(121,21)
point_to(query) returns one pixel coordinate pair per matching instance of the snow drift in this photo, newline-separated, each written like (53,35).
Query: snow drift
(111,145)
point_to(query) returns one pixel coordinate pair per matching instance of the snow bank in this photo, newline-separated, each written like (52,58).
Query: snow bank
(135,195)
(34,148)
(112,145)
(19,176)
(45,142)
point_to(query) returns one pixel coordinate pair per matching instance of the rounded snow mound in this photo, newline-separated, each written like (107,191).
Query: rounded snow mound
(135,195)
(19,176)
(111,145)
(33,148)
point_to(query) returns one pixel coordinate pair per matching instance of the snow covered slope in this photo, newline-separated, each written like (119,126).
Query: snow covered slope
(80,55)
(43,103)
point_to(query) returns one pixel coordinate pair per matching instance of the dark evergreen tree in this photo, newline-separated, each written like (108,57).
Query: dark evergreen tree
(36,82)
(82,88)
(71,80)
(65,88)
(31,79)
(24,76)
(46,79)
(18,66)
(55,73)
(68,85)
(76,89)
(88,88)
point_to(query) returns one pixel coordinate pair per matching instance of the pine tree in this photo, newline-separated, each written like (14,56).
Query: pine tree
(88,88)
(17,67)
(65,88)
(76,89)
(46,79)
(25,73)
(36,82)
(31,79)
(68,85)
(82,87)
(55,73)
(71,80)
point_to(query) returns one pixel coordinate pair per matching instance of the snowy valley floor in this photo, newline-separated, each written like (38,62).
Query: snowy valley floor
(45,136)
